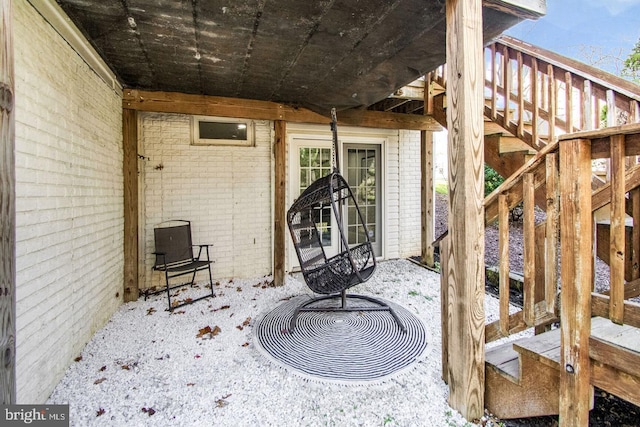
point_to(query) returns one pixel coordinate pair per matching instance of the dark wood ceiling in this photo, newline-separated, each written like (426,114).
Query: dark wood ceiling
(317,54)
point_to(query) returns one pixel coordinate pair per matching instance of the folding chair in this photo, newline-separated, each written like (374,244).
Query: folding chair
(175,257)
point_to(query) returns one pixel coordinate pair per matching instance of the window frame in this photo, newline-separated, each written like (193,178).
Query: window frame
(196,140)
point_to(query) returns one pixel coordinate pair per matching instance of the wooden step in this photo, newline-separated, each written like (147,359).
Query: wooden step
(522,377)
(520,383)
(615,358)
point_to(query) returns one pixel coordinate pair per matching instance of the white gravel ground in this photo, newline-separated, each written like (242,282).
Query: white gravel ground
(150,367)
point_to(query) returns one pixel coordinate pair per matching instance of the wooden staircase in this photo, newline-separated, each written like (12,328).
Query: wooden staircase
(539,107)
(522,377)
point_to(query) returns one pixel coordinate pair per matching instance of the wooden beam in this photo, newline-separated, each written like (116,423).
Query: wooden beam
(600,307)
(517,324)
(7,209)
(279,228)
(427,198)
(614,381)
(130,172)
(577,277)
(181,103)
(525,9)
(465,85)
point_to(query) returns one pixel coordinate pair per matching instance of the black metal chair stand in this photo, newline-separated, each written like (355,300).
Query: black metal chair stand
(305,307)
(175,257)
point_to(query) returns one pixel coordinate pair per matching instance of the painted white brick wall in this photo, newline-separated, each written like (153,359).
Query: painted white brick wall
(225,191)
(69,203)
(409,193)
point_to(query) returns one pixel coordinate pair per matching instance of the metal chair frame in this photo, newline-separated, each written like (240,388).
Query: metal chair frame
(175,257)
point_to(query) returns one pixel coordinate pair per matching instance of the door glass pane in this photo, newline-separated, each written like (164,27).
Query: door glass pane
(362,177)
(314,164)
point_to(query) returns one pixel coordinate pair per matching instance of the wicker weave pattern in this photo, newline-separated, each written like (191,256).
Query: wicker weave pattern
(351,266)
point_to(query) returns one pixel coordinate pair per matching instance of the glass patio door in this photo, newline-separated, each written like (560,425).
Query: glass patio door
(361,167)
(363,174)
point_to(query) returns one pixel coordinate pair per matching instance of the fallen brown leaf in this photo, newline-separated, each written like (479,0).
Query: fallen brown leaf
(100,412)
(77,359)
(100,380)
(149,411)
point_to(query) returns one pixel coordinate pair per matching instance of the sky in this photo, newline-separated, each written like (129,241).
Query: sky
(598,32)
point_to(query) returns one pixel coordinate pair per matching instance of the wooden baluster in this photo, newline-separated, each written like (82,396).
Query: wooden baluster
(528,200)
(611,108)
(634,111)
(506,77)
(503,243)
(494,83)
(553,103)
(520,95)
(617,231)
(568,86)
(535,101)
(551,246)
(587,106)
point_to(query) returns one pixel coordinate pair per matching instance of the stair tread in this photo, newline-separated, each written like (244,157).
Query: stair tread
(505,360)
(544,347)
(624,336)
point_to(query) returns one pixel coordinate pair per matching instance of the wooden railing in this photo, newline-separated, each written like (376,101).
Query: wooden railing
(537,95)
(540,241)
(621,194)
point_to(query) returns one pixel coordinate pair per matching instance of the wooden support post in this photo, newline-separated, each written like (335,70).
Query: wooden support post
(617,230)
(7,210)
(503,243)
(465,83)
(577,278)
(130,172)
(428,94)
(279,229)
(528,220)
(444,306)
(551,235)
(427,198)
